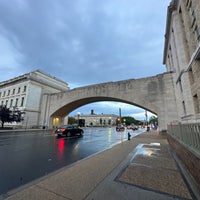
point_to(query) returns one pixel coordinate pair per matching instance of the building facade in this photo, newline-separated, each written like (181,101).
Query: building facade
(182,57)
(26,93)
(93,119)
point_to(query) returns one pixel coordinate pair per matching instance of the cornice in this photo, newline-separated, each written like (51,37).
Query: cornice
(40,77)
(171,8)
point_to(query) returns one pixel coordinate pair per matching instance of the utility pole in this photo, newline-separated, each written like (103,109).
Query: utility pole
(120,115)
(146,117)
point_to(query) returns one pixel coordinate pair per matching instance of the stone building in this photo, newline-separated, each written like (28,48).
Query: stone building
(26,92)
(93,119)
(182,57)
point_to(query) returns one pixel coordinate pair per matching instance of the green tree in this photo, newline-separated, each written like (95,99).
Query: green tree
(130,120)
(72,120)
(153,120)
(4,115)
(7,115)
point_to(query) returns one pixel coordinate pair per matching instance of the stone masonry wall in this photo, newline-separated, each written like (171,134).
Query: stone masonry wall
(191,161)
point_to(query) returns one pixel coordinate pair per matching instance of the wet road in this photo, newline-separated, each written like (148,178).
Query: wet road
(26,156)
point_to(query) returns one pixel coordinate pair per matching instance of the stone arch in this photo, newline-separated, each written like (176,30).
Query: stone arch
(66,109)
(154,93)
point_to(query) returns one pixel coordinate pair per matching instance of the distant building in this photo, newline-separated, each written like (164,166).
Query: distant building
(26,92)
(182,57)
(93,119)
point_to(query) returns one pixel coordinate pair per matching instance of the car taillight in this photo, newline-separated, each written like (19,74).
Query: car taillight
(62,130)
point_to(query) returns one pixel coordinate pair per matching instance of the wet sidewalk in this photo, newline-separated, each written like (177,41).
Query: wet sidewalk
(141,168)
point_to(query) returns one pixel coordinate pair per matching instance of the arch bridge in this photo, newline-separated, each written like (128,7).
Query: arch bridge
(154,94)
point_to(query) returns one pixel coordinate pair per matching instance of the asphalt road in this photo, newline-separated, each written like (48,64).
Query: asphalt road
(26,156)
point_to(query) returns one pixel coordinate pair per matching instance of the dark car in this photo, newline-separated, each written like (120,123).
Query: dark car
(69,130)
(120,127)
(133,127)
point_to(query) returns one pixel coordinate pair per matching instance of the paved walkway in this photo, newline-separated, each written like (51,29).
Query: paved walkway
(141,168)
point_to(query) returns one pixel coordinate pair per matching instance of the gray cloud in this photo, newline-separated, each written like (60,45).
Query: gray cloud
(107,39)
(82,42)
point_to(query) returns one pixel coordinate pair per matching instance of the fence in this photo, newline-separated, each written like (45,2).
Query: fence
(187,134)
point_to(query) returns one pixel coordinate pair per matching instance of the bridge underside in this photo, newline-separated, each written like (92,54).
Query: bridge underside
(68,108)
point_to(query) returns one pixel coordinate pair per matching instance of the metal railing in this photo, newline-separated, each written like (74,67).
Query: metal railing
(187,134)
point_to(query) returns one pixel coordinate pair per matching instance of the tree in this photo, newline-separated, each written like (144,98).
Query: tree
(7,115)
(72,120)
(4,115)
(153,120)
(130,120)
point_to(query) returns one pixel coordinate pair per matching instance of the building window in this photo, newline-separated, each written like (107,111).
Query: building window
(197,33)
(191,76)
(16,102)
(19,90)
(195,28)
(196,103)
(4,93)
(180,86)
(13,91)
(184,108)
(22,102)
(11,103)
(188,3)
(25,88)
(170,61)
(189,6)
(8,92)
(193,18)
(6,103)
(2,103)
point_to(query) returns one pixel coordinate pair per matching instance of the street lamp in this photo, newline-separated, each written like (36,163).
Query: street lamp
(118,120)
(146,117)
(120,114)
(78,115)
(124,122)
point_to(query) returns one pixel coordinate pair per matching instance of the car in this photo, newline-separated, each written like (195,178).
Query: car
(120,127)
(132,127)
(69,130)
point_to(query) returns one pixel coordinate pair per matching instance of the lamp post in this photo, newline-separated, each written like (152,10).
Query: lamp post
(146,117)
(124,122)
(118,120)
(78,115)
(120,114)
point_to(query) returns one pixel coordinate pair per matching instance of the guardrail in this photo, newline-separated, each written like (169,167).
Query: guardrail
(187,134)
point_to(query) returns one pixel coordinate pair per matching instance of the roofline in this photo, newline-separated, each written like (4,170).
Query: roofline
(18,78)
(46,74)
(28,76)
(170,9)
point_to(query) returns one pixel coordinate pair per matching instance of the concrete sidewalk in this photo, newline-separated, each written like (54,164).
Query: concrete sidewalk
(141,168)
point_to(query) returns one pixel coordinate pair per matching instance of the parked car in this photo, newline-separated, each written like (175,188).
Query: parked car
(120,127)
(69,130)
(133,127)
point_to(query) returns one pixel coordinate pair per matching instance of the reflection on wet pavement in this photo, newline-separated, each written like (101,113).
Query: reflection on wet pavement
(147,149)
(152,167)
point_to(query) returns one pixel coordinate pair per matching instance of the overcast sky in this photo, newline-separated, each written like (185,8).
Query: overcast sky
(83,42)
